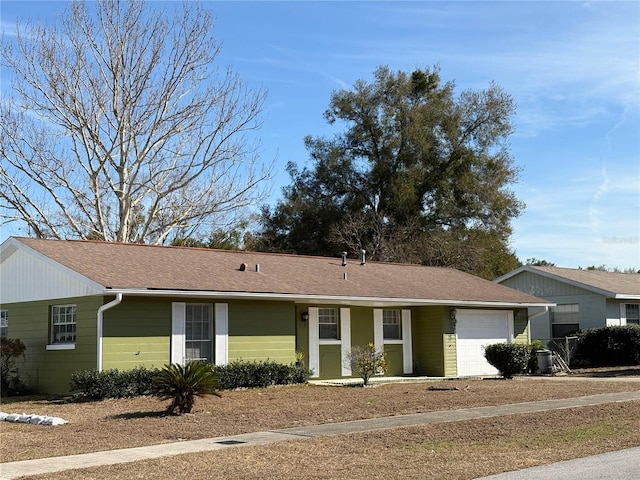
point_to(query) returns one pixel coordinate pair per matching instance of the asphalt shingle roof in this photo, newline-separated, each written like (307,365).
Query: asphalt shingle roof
(135,266)
(613,282)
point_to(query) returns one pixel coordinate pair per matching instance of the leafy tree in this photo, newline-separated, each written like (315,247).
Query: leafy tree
(183,383)
(120,126)
(536,262)
(414,166)
(366,361)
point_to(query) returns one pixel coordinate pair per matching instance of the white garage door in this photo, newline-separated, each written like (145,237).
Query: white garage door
(474,330)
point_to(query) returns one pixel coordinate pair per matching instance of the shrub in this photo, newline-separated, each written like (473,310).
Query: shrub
(89,385)
(366,361)
(509,358)
(609,346)
(259,374)
(10,350)
(182,383)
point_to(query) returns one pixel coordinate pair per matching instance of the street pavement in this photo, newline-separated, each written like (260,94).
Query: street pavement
(13,470)
(618,465)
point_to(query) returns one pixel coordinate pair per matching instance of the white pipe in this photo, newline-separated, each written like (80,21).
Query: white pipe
(101,311)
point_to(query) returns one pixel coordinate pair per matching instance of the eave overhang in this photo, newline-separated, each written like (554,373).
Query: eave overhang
(322,299)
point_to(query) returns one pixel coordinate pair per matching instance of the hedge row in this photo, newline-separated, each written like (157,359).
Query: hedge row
(87,385)
(609,346)
(241,374)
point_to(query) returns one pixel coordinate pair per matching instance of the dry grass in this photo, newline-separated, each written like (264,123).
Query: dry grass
(457,450)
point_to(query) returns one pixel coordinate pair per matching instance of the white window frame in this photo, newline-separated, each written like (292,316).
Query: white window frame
(4,323)
(334,314)
(636,307)
(63,314)
(220,332)
(207,310)
(392,317)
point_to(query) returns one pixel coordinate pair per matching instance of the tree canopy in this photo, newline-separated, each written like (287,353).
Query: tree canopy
(418,174)
(121,126)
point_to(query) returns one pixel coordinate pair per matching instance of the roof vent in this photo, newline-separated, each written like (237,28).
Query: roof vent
(363,257)
(344,275)
(344,259)
(243,267)
(257,267)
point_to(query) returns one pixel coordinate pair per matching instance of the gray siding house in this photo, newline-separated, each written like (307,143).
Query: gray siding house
(583,298)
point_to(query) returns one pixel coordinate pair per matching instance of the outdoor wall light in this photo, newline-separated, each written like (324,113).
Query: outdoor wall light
(453,314)
(304,317)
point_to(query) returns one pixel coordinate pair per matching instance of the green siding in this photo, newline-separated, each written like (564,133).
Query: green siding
(394,359)
(50,370)
(280,348)
(361,326)
(429,340)
(262,330)
(330,361)
(521,326)
(137,333)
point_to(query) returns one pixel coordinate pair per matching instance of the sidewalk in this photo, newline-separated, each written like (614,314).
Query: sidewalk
(12,470)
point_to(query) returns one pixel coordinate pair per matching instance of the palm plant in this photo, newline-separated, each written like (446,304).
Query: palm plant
(182,383)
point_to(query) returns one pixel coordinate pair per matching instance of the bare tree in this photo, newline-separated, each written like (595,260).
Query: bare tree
(121,127)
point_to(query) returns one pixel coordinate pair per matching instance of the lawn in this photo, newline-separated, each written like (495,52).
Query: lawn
(461,450)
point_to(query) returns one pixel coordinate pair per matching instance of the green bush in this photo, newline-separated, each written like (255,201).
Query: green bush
(259,374)
(509,358)
(10,382)
(366,361)
(87,385)
(183,383)
(609,346)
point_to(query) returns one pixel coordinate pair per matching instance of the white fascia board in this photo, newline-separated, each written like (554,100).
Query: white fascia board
(324,299)
(626,296)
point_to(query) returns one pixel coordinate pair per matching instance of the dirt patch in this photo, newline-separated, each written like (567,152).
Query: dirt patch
(112,424)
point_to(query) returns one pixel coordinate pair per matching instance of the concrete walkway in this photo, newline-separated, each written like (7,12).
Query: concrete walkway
(12,470)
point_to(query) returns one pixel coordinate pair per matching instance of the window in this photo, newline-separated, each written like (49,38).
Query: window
(198,326)
(328,323)
(565,320)
(4,323)
(633,313)
(391,325)
(63,324)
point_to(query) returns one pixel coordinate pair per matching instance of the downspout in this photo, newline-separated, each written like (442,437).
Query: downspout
(101,310)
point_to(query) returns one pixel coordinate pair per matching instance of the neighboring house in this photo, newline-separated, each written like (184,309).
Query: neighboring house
(583,298)
(95,305)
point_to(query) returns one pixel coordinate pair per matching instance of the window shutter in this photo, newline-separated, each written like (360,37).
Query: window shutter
(178,317)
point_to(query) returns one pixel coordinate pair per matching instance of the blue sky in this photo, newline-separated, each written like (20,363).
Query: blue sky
(573,69)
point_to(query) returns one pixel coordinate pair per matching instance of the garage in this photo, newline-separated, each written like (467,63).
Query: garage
(474,330)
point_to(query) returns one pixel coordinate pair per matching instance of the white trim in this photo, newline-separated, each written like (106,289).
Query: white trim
(325,299)
(345,338)
(178,324)
(100,322)
(378,329)
(407,350)
(11,245)
(221,321)
(61,346)
(623,314)
(314,342)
